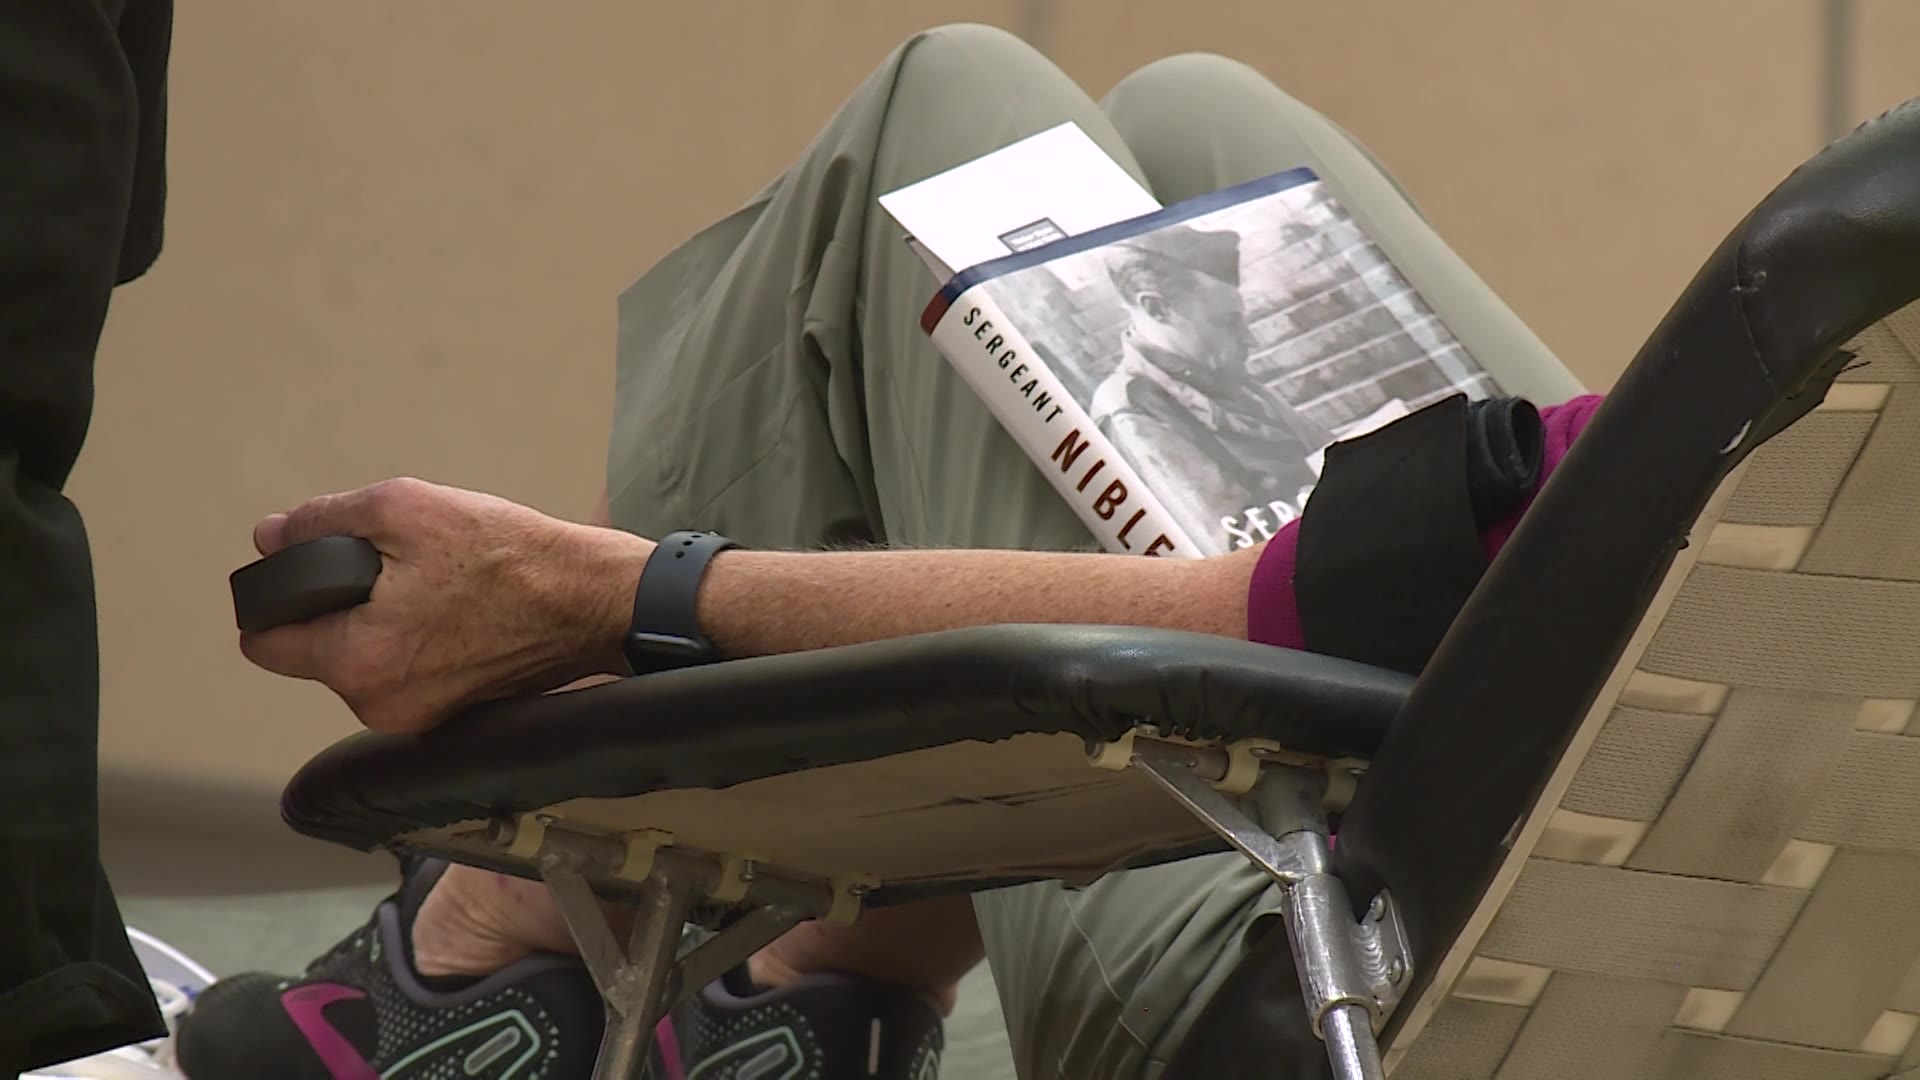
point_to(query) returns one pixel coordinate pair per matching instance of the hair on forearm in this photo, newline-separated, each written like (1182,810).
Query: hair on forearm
(761,602)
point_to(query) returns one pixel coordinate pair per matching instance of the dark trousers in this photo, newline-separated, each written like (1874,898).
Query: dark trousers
(82,120)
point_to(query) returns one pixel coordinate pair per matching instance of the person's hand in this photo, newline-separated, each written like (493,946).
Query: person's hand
(478,598)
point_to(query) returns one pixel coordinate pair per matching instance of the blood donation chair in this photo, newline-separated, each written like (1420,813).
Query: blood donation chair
(1651,809)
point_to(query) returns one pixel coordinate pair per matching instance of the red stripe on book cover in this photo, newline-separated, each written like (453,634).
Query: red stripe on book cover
(936,311)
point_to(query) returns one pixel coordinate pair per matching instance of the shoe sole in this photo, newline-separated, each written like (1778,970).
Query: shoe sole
(1722,876)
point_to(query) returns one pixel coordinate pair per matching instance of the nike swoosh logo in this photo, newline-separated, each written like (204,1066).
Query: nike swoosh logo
(305,1005)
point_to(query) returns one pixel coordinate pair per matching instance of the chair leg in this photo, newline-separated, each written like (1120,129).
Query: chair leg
(632,981)
(642,981)
(1351,1046)
(1350,969)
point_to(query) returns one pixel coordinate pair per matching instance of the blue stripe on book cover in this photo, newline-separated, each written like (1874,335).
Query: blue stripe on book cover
(1120,230)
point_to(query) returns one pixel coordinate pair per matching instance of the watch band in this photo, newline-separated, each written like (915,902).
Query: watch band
(665,632)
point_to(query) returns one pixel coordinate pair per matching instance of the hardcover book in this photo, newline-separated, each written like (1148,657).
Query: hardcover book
(1177,372)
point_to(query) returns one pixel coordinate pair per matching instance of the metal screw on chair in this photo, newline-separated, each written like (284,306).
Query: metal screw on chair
(746,870)
(1377,910)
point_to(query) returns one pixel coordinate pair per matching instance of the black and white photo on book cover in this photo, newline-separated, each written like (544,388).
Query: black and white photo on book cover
(1222,351)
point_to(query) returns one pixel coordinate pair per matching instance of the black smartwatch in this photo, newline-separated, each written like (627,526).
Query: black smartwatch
(666,628)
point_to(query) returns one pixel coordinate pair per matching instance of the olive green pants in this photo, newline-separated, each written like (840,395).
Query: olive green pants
(774,384)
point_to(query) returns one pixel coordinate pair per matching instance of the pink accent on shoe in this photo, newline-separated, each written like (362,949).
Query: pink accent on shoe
(305,1005)
(1272,617)
(669,1045)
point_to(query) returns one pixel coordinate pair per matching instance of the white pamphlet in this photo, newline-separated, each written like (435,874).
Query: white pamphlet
(1056,184)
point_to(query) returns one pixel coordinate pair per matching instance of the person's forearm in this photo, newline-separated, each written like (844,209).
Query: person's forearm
(756,602)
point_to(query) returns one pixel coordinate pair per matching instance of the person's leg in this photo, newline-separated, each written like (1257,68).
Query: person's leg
(69,142)
(1198,123)
(774,385)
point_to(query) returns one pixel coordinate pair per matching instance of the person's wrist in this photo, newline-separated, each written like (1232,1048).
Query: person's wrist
(603,571)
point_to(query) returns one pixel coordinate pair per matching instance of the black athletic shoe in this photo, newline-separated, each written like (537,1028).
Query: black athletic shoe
(361,1012)
(822,1027)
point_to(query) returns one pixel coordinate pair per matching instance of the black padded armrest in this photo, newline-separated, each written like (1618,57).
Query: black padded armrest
(728,723)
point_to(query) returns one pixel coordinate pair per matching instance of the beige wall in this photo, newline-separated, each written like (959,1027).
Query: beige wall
(1885,57)
(396,236)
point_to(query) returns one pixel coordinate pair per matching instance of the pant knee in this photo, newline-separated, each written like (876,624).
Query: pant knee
(976,43)
(1191,75)
(1188,103)
(964,56)
(953,93)
(1205,107)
